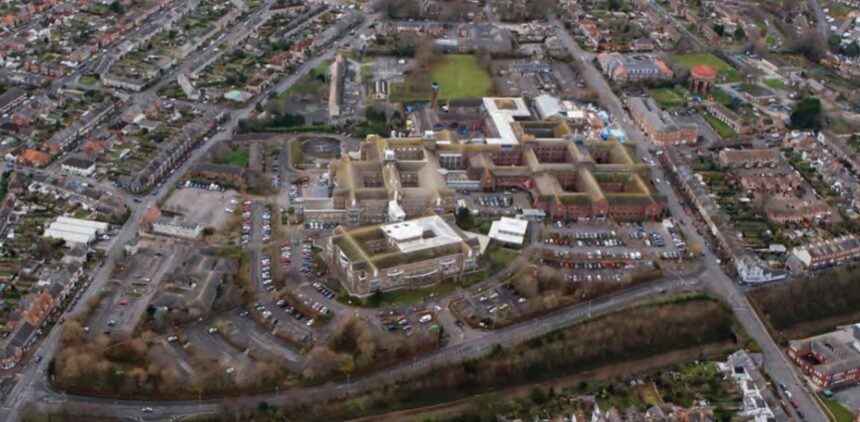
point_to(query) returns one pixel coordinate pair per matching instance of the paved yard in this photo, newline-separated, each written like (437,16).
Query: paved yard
(202,206)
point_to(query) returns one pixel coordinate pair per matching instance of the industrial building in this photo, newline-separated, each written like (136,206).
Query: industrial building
(409,254)
(75,230)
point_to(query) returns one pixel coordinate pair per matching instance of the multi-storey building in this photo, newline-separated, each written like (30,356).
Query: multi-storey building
(396,179)
(623,69)
(409,254)
(659,125)
(831,359)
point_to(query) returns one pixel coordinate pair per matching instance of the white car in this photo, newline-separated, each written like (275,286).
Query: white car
(171,339)
(213,330)
(231,370)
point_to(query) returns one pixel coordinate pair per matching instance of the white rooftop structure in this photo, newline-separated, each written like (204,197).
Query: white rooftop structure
(75,230)
(99,226)
(547,106)
(395,211)
(503,112)
(509,230)
(422,233)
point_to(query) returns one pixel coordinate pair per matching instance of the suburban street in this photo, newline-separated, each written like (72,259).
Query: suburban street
(776,363)
(32,380)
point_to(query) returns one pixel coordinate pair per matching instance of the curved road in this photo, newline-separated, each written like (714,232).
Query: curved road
(49,400)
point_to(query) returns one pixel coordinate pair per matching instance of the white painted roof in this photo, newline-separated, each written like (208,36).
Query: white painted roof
(409,235)
(509,230)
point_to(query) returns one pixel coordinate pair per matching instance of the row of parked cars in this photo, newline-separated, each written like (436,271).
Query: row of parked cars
(276,179)
(267,224)
(266,273)
(585,239)
(286,254)
(307,257)
(246,222)
(295,313)
(205,186)
(495,201)
(323,290)
(316,225)
(599,254)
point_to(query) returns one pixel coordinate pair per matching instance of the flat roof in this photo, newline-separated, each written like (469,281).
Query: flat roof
(422,233)
(503,112)
(509,230)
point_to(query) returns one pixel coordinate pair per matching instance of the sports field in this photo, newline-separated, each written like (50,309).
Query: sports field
(459,77)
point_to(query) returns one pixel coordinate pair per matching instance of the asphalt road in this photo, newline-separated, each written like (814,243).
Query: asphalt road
(776,363)
(820,20)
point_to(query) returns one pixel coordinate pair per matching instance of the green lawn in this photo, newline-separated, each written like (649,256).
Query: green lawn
(721,128)
(238,157)
(721,97)
(312,83)
(771,40)
(690,60)
(667,97)
(840,413)
(402,297)
(89,80)
(775,83)
(459,77)
(837,9)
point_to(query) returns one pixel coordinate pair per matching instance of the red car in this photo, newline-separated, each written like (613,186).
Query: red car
(794,404)
(123,301)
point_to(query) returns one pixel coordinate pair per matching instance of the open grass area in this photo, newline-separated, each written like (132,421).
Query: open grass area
(838,411)
(721,97)
(312,83)
(837,9)
(690,60)
(238,157)
(401,297)
(89,80)
(775,83)
(459,77)
(667,97)
(721,128)
(771,40)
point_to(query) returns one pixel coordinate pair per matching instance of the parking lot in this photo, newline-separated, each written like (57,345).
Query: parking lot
(131,290)
(482,308)
(597,266)
(407,321)
(649,240)
(495,204)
